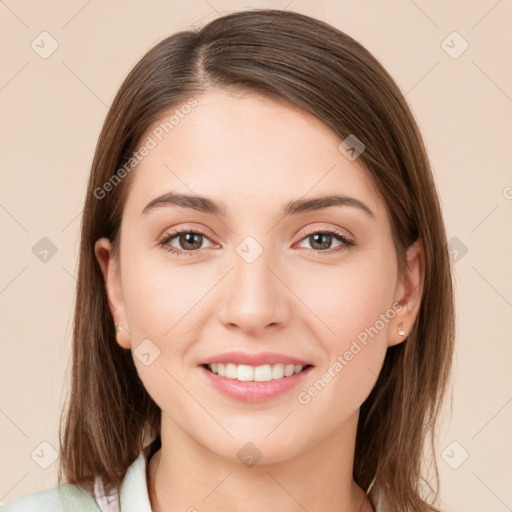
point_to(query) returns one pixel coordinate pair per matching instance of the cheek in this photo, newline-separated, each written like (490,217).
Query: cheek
(353,308)
(354,347)
(160,300)
(349,299)
(161,305)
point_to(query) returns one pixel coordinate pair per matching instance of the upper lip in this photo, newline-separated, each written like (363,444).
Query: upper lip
(259,359)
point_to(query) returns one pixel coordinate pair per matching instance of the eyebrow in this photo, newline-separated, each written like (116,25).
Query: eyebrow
(206,205)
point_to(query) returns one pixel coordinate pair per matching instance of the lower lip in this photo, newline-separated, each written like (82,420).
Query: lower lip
(252,391)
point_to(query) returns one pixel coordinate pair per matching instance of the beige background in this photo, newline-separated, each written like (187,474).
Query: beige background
(52,110)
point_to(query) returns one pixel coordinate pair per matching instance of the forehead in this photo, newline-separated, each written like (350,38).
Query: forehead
(245,150)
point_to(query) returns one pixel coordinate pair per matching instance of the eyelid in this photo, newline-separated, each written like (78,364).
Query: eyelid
(346,241)
(186,229)
(326,229)
(165,239)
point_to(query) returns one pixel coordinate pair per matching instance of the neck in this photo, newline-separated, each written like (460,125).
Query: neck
(186,476)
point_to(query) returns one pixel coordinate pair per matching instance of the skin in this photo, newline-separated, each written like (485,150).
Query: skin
(297,298)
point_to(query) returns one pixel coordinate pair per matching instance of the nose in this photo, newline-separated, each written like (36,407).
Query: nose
(253,297)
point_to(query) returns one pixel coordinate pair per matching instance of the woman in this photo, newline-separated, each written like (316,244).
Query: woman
(230,356)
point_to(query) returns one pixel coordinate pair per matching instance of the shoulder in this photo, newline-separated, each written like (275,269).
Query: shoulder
(63,498)
(133,495)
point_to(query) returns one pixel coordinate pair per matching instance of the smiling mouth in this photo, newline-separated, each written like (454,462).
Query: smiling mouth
(247,373)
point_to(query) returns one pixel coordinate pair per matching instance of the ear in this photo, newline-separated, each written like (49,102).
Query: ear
(112,280)
(408,294)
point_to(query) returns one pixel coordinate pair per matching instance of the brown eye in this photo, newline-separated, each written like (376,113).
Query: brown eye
(190,241)
(322,241)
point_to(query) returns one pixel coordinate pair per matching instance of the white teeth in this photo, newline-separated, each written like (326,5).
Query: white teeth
(263,373)
(288,370)
(278,371)
(246,373)
(231,372)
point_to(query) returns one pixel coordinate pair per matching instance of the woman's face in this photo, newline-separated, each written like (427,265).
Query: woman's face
(252,287)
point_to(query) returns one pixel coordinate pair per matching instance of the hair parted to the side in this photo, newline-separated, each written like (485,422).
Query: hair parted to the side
(291,57)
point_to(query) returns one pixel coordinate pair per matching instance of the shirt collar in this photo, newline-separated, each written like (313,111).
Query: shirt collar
(134,490)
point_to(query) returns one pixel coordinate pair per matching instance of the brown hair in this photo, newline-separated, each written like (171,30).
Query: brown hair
(294,58)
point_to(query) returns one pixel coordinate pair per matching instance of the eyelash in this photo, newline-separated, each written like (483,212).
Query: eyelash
(346,242)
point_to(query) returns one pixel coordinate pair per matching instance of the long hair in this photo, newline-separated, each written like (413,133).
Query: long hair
(307,63)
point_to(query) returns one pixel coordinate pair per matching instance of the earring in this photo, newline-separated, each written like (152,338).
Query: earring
(400,329)
(118,329)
